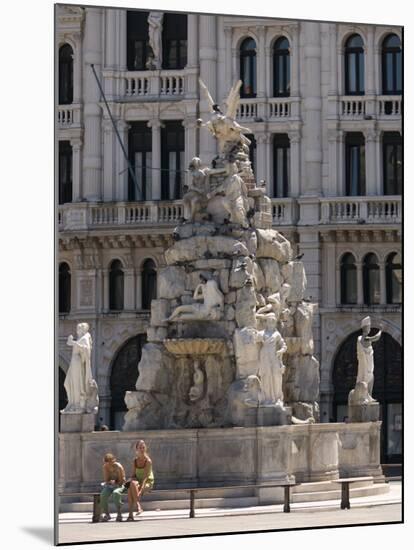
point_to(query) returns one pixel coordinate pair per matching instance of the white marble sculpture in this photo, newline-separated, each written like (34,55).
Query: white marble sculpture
(210,308)
(224,128)
(155,37)
(271,367)
(81,388)
(365,354)
(195,197)
(234,194)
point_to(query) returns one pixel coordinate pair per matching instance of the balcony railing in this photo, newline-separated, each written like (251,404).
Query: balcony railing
(68,116)
(273,108)
(353,106)
(279,108)
(381,209)
(284,211)
(358,107)
(389,106)
(147,84)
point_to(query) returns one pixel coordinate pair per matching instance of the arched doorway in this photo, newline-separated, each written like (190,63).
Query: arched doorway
(124,376)
(387,389)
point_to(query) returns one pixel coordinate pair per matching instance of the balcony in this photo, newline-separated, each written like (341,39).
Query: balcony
(343,210)
(69,116)
(284,211)
(152,84)
(359,107)
(79,216)
(389,107)
(272,109)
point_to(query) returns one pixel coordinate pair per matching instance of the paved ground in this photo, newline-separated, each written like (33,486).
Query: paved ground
(76,527)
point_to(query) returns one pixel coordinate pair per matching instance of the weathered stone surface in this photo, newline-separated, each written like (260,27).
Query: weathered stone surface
(154,369)
(301,382)
(366,412)
(77,422)
(224,281)
(303,323)
(258,277)
(298,282)
(144,411)
(246,307)
(271,244)
(160,310)
(273,415)
(230,297)
(271,274)
(243,401)
(194,248)
(242,269)
(156,334)
(246,349)
(171,282)
(229,313)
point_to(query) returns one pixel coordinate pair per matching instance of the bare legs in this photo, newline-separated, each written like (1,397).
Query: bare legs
(133,499)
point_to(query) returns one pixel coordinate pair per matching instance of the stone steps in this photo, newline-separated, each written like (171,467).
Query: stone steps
(237,498)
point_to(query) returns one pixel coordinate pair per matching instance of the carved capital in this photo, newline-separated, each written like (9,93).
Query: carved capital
(294,136)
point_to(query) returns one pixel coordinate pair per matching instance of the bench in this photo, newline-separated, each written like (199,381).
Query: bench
(192,494)
(345,482)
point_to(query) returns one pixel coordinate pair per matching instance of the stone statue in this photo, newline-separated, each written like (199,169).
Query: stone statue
(80,387)
(365,355)
(211,308)
(195,197)
(271,368)
(224,127)
(155,37)
(235,196)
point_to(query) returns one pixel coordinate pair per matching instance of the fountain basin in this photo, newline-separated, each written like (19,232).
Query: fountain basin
(195,346)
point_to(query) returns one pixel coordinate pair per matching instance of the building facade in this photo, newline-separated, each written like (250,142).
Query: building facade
(323,102)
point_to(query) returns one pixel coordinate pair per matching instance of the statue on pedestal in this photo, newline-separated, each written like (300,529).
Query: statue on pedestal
(81,388)
(365,354)
(155,39)
(271,367)
(210,309)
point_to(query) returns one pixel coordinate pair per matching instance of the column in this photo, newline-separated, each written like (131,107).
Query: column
(77,70)
(383,283)
(294,137)
(312,115)
(92,157)
(261,141)
(105,291)
(370,161)
(228,32)
(208,73)
(138,290)
(76,169)
(192,56)
(341,163)
(110,82)
(109,177)
(121,164)
(261,62)
(122,43)
(129,303)
(155,125)
(360,284)
(370,72)
(294,71)
(269,165)
(333,84)
(269,72)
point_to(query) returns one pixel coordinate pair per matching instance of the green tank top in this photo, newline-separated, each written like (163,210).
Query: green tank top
(139,472)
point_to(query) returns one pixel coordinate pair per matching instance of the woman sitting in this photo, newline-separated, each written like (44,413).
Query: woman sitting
(113,485)
(142,479)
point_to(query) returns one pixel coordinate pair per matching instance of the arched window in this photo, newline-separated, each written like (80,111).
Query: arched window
(348,279)
(174,41)
(355,164)
(391,65)
(281,165)
(64,288)
(393,279)
(65,172)
(149,283)
(354,66)
(116,286)
(387,388)
(281,68)
(65,74)
(371,280)
(124,375)
(248,68)
(137,40)
(392,163)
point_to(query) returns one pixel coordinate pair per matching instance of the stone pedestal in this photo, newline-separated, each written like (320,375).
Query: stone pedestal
(273,415)
(366,412)
(77,422)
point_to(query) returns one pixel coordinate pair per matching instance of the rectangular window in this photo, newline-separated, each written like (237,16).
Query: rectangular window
(355,164)
(137,40)
(174,41)
(140,157)
(281,165)
(65,172)
(172,160)
(392,163)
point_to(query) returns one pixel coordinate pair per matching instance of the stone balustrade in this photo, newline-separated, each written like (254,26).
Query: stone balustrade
(248,109)
(334,210)
(389,106)
(353,106)
(382,209)
(279,108)
(68,116)
(172,83)
(137,84)
(144,84)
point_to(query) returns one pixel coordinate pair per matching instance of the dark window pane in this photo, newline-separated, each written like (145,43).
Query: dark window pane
(172,160)
(65,172)
(392,163)
(174,39)
(149,284)
(116,286)
(65,75)
(371,280)
(348,280)
(281,165)
(137,40)
(248,67)
(140,146)
(64,288)
(398,72)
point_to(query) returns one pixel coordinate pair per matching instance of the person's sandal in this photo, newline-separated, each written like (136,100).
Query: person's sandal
(106,517)
(130,518)
(119,517)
